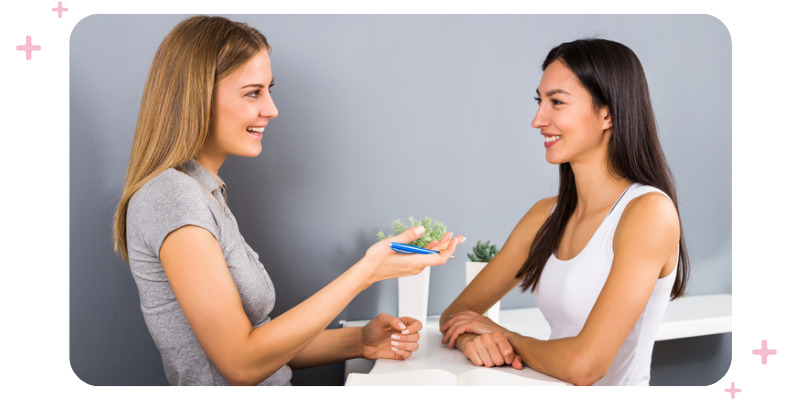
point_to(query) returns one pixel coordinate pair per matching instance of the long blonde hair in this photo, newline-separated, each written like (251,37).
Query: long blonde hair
(176,112)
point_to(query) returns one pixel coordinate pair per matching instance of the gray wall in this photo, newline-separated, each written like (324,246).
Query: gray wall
(445,101)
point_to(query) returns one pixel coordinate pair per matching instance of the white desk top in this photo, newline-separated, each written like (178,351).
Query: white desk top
(686,317)
(432,354)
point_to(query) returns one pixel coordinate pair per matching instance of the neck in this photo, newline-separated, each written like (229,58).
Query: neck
(210,162)
(597,186)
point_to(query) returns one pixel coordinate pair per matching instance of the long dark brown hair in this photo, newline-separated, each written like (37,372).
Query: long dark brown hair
(614,77)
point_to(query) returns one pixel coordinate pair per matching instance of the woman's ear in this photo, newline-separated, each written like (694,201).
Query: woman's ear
(605,116)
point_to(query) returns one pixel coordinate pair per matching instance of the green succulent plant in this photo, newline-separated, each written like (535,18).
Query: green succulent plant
(483,251)
(431,233)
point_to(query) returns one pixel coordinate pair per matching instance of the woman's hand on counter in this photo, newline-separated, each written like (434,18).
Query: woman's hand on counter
(390,337)
(488,349)
(480,339)
(468,322)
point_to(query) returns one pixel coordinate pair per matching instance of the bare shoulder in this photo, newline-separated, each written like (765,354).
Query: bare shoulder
(654,207)
(650,217)
(531,222)
(537,214)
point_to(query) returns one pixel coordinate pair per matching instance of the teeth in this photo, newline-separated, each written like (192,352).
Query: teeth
(549,139)
(254,129)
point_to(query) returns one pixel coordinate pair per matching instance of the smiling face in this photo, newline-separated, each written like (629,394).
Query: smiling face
(574,130)
(243,107)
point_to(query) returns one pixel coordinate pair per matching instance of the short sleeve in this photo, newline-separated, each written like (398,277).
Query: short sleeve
(168,202)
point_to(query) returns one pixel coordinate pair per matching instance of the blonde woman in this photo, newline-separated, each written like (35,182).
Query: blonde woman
(205,296)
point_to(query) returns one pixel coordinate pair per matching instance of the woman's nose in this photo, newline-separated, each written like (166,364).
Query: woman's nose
(539,120)
(268,110)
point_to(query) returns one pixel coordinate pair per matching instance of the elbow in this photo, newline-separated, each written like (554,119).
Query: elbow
(241,377)
(586,369)
(238,374)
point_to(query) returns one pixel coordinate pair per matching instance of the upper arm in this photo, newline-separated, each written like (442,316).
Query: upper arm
(646,239)
(499,275)
(198,274)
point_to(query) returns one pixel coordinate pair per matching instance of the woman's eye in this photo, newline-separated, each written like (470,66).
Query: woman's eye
(556,102)
(538,100)
(254,93)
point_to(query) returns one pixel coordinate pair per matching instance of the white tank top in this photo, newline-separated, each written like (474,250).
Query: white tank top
(567,291)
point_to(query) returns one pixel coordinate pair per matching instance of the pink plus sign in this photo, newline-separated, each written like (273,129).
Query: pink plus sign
(28,48)
(733,390)
(60,9)
(764,352)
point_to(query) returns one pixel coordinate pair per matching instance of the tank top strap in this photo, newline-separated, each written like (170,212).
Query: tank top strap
(632,192)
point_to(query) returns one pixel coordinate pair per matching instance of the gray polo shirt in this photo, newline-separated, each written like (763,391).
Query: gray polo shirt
(169,201)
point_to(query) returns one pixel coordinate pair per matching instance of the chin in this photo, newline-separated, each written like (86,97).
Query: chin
(250,153)
(553,160)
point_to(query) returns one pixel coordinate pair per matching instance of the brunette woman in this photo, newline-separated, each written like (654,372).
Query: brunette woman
(605,256)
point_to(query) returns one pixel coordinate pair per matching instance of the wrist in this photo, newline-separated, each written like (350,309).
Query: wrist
(361,347)
(510,335)
(363,272)
(463,339)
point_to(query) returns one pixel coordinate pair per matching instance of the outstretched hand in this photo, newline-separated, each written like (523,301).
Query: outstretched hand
(390,337)
(385,263)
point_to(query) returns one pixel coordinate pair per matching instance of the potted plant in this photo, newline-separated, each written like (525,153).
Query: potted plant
(412,291)
(482,253)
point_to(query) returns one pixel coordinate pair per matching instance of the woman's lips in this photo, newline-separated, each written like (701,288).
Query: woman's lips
(551,140)
(256,131)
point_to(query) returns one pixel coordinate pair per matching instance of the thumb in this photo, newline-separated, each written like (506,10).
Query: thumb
(517,363)
(391,321)
(410,235)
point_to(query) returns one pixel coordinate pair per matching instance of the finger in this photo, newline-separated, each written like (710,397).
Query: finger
(456,319)
(401,354)
(412,325)
(453,327)
(473,356)
(494,352)
(450,321)
(484,353)
(449,333)
(414,337)
(506,350)
(456,333)
(444,252)
(451,247)
(410,235)
(471,352)
(399,325)
(444,240)
(517,363)
(447,325)
(452,244)
(390,321)
(407,346)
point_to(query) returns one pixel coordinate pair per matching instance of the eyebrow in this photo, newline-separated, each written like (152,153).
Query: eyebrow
(258,85)
(554,91)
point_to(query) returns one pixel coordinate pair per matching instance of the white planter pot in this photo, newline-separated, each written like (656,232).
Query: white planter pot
(473,268)
(412,295)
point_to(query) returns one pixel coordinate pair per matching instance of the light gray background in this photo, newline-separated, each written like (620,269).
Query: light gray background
(384,117)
